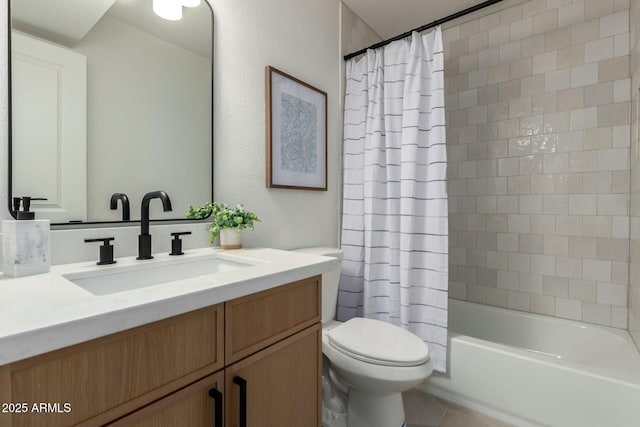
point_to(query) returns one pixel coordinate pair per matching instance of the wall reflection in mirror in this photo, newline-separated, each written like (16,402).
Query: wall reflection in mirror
(107,97)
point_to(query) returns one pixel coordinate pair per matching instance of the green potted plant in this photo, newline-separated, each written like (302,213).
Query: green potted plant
(225,221)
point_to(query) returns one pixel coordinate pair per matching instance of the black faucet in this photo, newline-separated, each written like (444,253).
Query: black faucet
(126,215)
(144,239)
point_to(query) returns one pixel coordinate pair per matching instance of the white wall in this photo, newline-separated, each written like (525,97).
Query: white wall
(299,37)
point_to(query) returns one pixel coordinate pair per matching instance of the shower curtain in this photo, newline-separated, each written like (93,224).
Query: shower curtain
(394,221)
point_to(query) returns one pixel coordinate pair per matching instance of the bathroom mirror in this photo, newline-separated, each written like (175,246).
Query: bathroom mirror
(106,97)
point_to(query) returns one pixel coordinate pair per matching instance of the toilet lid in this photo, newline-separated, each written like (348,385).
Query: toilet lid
(377,342)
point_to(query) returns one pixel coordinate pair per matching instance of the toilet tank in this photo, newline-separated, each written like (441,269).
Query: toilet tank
(330,281)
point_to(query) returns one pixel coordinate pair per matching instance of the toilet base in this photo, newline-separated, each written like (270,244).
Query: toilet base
(371,410)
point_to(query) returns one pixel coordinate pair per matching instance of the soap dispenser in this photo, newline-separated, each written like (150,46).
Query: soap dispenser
(25,241)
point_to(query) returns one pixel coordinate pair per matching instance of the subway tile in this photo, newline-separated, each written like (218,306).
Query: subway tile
(457,290)
(615,23)
(508,128)
(533,7)
(569,267)
(598,138)
(530,204)
(487,131)
(596,269)
(510,90)
(508,242)
(508,280)
(554,4)
(582,290)
(622,90)
(519,185)
(531,283)
(497,185)
(498,73)
(621,45)
(543,264)
(613,204)
(571,56)
(557,80)
(569,309)
(531,46)
(571,99)
(542,184)
(509,166)
(547,143)
(487,168)
(520,107)
(477,186)
(543,103)
(477,294)
(511,14)
(598,94)
(613,249)
(620,182)
(556,204)
(584,32)
(543,224)
(557,39)
(477,115)
(556,245)
(532,85)
(584,118)
(497,223)
(488,95)
(613,114)
(571,14)
(616,159)
(478,41)
(613,69)
(468,98)
(555,286)
(569,225)
(619,5)
(478,78)
(543,304)
(499,36)
(497,260)
(544,62)
(583,161)
(498,111)
(584,75)
(497,297)
(468,63)
(598,8)
(612,294)
(582,247)
(488,57)
(598,50)
(619,317)
(570,142)
(596,226)
(582,204)
(545,22)
(519,224)
(620,272)
(596,313)
(519,262)
(556,163)
(520,68)
(486,204)
(510,51)
(519,301)
(556,122)
(597,182)
(532,125)
(620,227)
(521,29)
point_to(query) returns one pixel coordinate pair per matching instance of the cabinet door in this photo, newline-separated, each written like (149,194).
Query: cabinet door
(198,405)
(280,385)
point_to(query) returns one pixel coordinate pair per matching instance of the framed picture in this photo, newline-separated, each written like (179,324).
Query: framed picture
(296,133)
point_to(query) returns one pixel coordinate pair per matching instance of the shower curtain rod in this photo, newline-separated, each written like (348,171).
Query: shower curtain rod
(425,27)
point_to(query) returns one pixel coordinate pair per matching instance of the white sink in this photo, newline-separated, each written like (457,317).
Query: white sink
(115,279)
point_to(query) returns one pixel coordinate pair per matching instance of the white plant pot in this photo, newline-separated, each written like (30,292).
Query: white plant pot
(230,238)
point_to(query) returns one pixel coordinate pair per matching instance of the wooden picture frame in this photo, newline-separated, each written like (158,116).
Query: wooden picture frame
(296,124)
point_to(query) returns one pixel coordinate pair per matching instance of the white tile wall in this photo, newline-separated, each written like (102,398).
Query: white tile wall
(538,113)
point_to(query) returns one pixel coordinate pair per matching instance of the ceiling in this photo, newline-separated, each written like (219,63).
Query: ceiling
(390,18)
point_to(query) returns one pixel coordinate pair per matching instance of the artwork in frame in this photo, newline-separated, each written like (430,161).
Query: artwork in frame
(296,133)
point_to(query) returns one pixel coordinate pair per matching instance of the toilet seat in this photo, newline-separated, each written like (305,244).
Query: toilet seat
(379,343)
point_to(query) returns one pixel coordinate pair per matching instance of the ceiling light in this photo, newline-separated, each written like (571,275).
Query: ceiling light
(191,3)
(168,9)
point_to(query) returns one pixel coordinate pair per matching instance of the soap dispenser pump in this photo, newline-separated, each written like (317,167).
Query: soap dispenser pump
(25,242)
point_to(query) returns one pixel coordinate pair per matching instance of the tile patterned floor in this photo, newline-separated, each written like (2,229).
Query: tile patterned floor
(425,410)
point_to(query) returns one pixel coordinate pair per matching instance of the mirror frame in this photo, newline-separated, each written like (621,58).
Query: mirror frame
(93,224)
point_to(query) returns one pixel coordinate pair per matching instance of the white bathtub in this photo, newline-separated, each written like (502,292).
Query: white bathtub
(533,370)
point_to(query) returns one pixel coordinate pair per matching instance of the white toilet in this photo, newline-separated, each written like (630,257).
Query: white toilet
(375,360)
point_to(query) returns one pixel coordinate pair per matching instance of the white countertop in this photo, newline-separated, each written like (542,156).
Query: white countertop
(46,312)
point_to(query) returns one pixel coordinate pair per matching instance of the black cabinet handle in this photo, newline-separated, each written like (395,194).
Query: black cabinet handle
(217,399)
(243,399)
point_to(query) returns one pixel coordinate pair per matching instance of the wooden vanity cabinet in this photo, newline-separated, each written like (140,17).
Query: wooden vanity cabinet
(167,373)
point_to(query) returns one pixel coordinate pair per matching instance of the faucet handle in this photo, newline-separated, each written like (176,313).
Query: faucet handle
(106,250)
(176,242)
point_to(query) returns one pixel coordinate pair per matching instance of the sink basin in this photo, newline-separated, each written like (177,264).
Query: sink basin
(127,278)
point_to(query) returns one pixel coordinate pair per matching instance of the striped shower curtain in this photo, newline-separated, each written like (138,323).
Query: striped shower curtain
(394,223)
